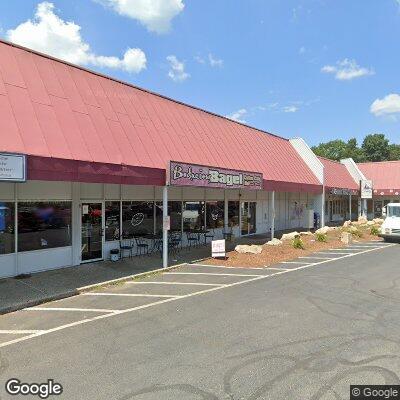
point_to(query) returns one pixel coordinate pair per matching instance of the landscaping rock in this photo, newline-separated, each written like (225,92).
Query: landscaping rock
(244,248)
(275,242)
(362,220)
(346,238)
(306,233)
(378,221)
(324,230)
(370,223)
(290,236)
(346,224)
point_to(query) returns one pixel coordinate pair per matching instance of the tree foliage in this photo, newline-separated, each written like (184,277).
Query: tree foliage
(375,147)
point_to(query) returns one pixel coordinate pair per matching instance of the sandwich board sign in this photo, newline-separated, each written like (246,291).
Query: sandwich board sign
(218,248)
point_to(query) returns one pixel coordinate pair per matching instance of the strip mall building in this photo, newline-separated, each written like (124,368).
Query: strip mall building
(84,158)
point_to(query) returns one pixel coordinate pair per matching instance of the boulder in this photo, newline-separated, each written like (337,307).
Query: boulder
(290,236)
(362,219)
(370,223)
(346,237)
(306,233)
(324,230)
(346,224)
(378,221)
(244,248)
(275,242)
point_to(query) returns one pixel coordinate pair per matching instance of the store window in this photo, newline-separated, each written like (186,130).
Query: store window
(137,218)
(44,225)
(215,214)
(233,213)
(7,227)
(193,215)
(112,215)
(175,214)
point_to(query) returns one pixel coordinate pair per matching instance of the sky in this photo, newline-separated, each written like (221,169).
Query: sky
(318,69)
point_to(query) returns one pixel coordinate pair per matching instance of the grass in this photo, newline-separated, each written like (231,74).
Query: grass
(297,243)
(321,237)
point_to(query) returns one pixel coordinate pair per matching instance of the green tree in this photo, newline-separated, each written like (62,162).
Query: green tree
(376,147)
(394,152)
(334,150)
(354,152)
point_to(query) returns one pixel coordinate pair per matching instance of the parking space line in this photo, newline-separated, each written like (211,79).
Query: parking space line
(279,269)
(208,273)
(174,283)
(321,258)
(98,310)
(266,267)
(224,266)
(295,262)
(322,252)
(21,332)
(131,294)
(219,287)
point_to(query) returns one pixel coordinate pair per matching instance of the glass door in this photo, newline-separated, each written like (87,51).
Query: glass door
(92,232)
(248,217)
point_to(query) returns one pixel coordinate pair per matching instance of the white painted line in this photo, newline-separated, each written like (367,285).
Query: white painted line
(208,273)
(223,266)
(343,249)
(129,294)
(98,310)
(174,283)
(341,254)
(322,258)
(20,332)
(84,321)
(279,269)
(295,262)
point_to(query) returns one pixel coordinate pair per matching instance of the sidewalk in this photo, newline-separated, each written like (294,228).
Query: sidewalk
(52,285)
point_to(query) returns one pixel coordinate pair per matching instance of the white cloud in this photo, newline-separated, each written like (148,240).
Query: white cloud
(346,70)
(155,15)
(237,115)
(215,62)
(48,33)
(302,50)
(200,59)
(290,109)
(387,106)
(177,69)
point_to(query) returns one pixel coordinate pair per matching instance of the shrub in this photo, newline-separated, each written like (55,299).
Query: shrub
(321,237)
(374,230)
(297,243)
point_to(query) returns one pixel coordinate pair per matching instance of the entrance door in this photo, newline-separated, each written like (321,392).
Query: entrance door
(248,217)
(92,232)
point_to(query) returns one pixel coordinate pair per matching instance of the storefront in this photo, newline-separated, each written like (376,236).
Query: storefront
(97,153)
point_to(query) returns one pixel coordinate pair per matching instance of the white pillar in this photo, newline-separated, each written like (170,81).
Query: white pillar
(76,223)
(226,221)
(165,230)
(350,207)
(273,215)
(323,207)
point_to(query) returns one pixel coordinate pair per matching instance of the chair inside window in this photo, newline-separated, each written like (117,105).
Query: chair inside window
(209,235)
(125,246)
(142,247)
(192,239)
(228,233)
(174,242)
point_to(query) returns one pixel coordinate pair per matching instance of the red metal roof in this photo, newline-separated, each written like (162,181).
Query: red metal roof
(385,176)
(49,108)
(337,176)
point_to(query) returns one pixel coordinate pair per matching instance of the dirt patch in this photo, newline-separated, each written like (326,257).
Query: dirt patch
(271,255)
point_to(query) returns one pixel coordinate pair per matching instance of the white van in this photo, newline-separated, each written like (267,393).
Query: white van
(390,229)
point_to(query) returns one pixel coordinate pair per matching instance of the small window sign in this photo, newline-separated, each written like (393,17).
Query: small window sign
(218,248)
(167,223)
(12,167)
(85,209)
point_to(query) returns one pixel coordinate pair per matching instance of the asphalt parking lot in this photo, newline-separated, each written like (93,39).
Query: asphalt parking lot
(221,314)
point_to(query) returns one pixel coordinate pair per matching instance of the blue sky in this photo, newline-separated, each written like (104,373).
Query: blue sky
(319,69)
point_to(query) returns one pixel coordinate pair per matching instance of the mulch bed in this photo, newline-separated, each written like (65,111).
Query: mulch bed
(271,255)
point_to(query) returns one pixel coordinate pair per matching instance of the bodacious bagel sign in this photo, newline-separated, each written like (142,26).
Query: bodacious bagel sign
(182,174)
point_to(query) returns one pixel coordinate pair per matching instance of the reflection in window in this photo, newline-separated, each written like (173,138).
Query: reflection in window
(233,213)
(193,215)
(215,214)
(175,213)
(112,215)
(137,218)
(44,225)
(7,222)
